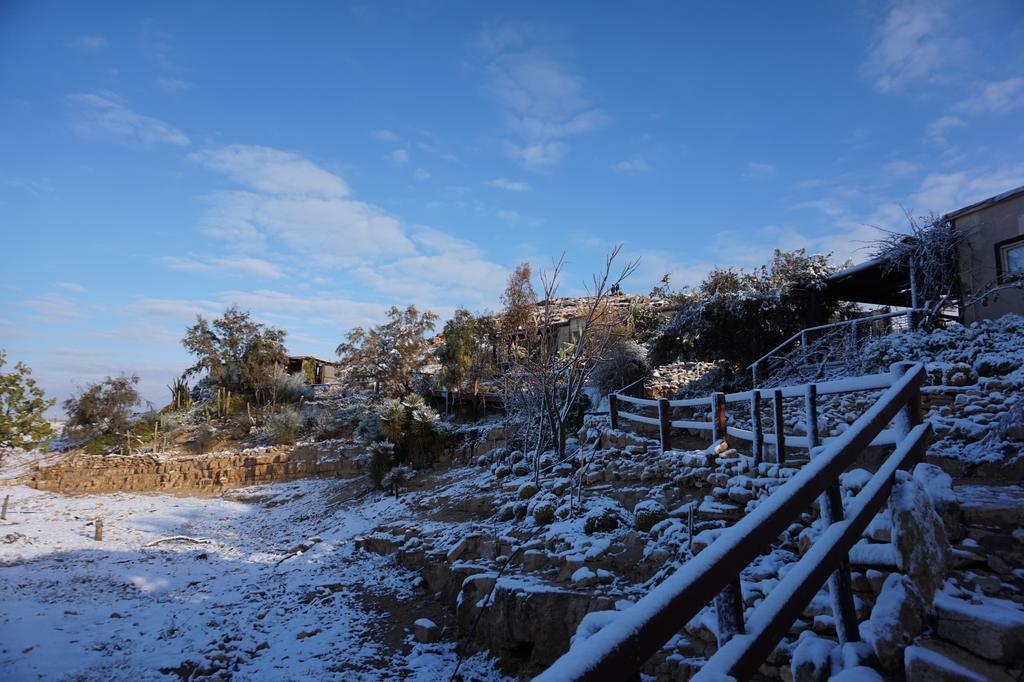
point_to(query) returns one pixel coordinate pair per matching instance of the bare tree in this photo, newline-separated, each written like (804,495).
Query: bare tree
(546,378)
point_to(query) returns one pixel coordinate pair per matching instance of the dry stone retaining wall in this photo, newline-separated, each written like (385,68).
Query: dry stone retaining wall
(204,473)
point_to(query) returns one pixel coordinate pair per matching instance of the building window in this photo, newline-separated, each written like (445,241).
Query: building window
(1010,258)
(1013,259)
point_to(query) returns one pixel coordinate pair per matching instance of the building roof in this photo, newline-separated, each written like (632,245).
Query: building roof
(985,203)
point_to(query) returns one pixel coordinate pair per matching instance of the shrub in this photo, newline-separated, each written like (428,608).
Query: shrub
(289,389)
(381,461)
(413,427)
(205,439)
(104,407)
(623,363)
(102,444)
(284,427)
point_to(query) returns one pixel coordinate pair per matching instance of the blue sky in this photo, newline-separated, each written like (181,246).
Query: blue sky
(317,162)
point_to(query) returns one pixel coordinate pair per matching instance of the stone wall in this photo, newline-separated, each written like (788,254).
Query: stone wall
(210,473)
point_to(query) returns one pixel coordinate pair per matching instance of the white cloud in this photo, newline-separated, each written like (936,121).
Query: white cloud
(421,174)
(516,219)
(914,45)
(399,157)
(544,102)
(54,307)
(944,192)
(100,116)
(938,130)
(900,168)
(273,171)
(73,287)
(996,97)
(632,166)
(309,214)
(444,268)
(760,171)
(234,265)
(90,43)
(509,185)
(170,84)
(384,135)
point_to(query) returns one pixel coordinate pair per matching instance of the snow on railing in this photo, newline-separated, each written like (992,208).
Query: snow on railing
(619,649)
(717,403)
(809,351)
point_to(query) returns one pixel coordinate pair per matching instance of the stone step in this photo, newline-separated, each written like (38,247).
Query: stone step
(932,660)
(993,629)
(992,505)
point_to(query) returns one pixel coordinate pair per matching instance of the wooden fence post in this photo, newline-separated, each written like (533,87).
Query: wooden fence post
(840,587)
(3,512)
(613,410)
(729,609)
(98,524)
(757,444)
(719,428)
(665,417)
(780,427)
(910,415)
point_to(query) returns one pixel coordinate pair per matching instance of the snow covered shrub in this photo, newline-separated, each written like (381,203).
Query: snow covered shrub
(284,427)
(104,407)
(737,316)
(396,478)
(205,439)
(625,362)
(414,428)
(605,516)
(381,460)
(289,389)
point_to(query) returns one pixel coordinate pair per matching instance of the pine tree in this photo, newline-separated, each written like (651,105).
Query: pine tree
(22,404)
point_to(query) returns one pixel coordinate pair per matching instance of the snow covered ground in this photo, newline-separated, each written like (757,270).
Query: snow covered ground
(240,606)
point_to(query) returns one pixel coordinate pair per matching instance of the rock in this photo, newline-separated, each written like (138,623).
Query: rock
(919,536)
(535,560)
(931,660)
(860,673)
(526,491)
(897,618)
(601,520)
(811,658)
(939,485)
(543,512)
(993,630)
(648,513)
(426,631)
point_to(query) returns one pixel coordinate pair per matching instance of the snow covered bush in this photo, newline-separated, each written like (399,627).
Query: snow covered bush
(289,389)
(737,316)
(623,363)
(102,408)
(284,427)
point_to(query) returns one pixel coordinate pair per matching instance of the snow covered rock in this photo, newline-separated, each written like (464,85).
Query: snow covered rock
(811,660)
(993,629)
(897,618)
(918,535)
(648,513)
(939,485)
(931,660)
(426,631)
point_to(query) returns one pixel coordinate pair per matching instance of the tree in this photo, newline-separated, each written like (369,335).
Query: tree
(236,352)
(104,407)
(546,382)
(518,322)
(389,354)
(22,405)
(737,316)
(467,356)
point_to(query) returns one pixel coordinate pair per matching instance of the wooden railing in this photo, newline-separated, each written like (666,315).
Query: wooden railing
(620,648)
(718,428)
